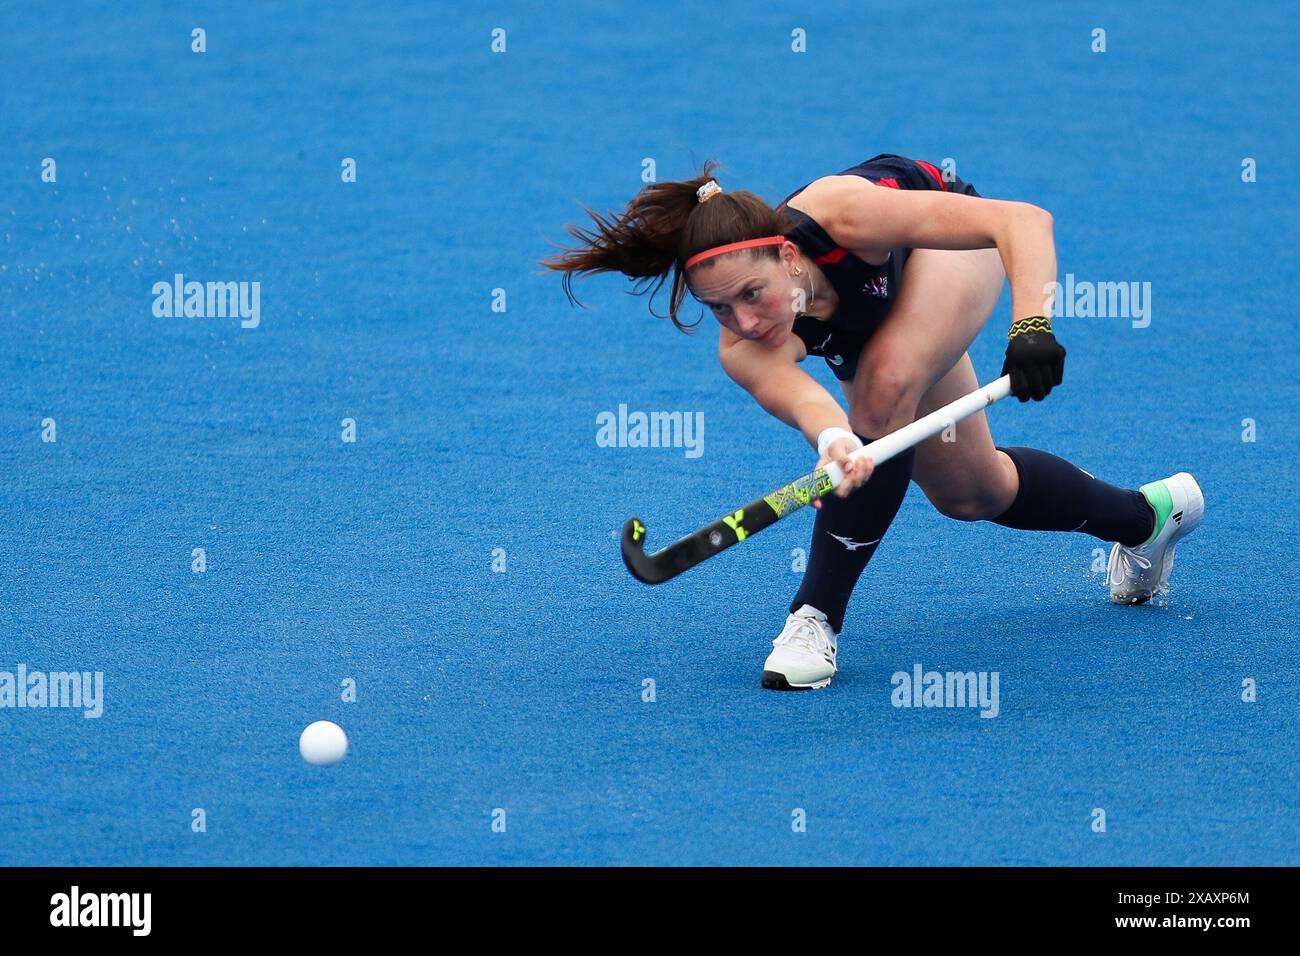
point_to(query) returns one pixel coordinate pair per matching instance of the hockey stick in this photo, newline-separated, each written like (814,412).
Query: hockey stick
(771,508)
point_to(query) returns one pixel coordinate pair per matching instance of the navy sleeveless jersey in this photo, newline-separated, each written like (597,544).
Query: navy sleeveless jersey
(865,292)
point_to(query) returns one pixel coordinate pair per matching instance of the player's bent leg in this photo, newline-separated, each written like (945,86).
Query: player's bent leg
(966,477)
(971,479)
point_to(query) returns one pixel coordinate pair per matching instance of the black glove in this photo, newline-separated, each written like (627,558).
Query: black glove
(1035,360)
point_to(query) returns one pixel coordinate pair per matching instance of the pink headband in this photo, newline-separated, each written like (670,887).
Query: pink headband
(733,247)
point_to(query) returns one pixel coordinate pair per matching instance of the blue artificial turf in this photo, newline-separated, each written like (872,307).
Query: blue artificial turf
(522,689)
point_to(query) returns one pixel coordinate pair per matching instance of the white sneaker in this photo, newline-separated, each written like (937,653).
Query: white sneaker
(1139,573)
(803,654)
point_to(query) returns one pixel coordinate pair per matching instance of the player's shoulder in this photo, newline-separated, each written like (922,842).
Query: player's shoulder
(825,199)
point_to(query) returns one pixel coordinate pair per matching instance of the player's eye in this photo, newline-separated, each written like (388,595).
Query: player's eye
(756,290)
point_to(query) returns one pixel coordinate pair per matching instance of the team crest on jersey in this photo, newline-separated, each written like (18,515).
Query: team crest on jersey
(878,287)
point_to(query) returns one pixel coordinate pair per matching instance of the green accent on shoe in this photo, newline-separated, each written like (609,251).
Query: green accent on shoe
(1161,502)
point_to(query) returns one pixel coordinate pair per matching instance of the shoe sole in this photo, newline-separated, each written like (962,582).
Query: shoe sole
(773,680)
(1131,602)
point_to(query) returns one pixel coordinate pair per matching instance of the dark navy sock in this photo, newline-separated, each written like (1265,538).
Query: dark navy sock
(834,565)
(1058,496)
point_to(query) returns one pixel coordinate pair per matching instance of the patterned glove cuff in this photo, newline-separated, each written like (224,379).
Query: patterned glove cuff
(1034,323)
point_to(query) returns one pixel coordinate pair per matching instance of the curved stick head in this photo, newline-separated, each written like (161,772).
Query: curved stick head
(634,556)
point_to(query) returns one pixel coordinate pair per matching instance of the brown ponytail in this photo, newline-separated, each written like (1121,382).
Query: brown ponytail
(663,226)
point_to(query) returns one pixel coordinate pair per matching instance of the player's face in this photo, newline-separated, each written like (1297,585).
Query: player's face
(752,296)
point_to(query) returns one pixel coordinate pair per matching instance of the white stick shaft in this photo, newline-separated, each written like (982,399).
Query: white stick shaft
(883,449)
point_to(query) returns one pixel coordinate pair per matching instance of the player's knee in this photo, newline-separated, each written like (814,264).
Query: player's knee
(886,403)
